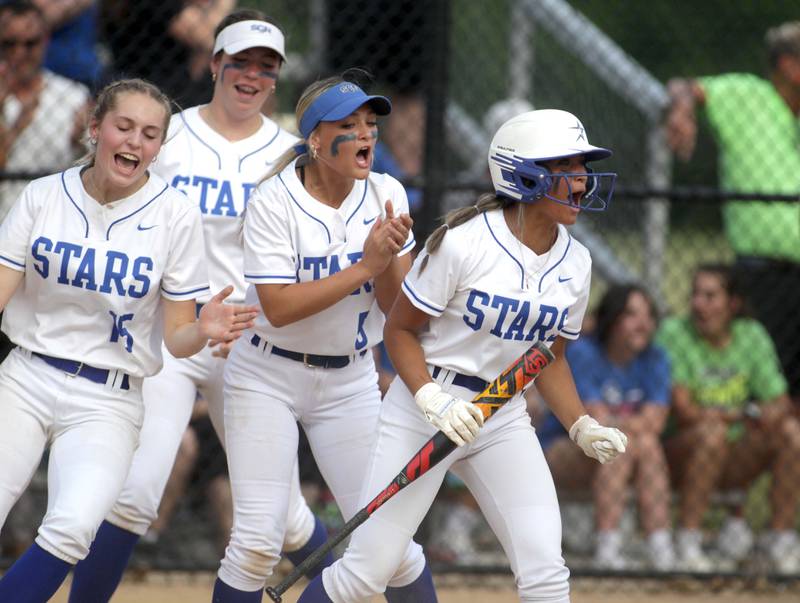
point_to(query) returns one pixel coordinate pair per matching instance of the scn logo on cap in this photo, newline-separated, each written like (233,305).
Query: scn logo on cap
(348,87)
(260,28)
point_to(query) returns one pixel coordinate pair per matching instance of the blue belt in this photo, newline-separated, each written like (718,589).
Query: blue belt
(310,360)
(475,384)
(73,368)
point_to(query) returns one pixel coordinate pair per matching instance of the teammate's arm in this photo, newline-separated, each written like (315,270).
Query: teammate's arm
(387,283)
(681,119)
(9,281)
(285,304)
(184,335)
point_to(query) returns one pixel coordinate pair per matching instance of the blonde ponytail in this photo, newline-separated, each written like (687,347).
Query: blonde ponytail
(285,159)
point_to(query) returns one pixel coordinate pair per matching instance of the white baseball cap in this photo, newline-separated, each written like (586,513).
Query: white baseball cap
(250,34)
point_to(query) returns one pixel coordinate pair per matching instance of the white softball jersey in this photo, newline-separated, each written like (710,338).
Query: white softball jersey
(290,237)
(95,274)
(219,176)
(491,303)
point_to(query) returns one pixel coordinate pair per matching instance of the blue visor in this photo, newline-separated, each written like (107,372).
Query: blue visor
(337,103)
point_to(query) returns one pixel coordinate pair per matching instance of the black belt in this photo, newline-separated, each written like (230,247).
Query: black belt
(310,360)
(78,369)
(475,384)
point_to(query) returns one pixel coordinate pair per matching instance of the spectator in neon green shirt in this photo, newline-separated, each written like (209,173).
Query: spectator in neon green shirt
(754,122)
(733,415)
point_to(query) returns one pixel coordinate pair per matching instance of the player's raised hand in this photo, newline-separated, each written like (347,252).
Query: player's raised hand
(225,322)
(596,441)
(379,247)
(398,227)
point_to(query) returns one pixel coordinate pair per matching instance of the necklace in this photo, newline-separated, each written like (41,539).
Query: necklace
(519,235)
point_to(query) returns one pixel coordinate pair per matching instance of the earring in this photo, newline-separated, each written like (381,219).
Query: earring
(93,142)
(272,90)
(314,152)
(214,77)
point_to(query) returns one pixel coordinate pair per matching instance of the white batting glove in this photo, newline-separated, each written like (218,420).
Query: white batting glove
(458,419)
(596,441)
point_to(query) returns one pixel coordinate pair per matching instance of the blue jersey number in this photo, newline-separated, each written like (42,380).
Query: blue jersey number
(361,338)
(118,330)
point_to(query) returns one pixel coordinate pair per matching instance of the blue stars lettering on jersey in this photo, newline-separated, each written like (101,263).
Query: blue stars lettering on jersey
(314,268)
(217,197)
(82,266)
(512,318)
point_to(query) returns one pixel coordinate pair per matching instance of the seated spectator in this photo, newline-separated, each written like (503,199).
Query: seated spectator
(733,416)
(42,115)
(623,379)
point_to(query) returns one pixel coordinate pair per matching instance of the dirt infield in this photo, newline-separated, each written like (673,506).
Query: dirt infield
(196,588)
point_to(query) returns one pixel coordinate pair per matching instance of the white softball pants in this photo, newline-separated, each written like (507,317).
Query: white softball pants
(265,396)
(92,430)
(505,470)
(169,398)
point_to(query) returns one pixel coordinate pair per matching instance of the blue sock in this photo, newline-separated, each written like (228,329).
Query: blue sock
(34,577)
(96,578)
(227,594)
(318,538)
(420,590)
(314,593)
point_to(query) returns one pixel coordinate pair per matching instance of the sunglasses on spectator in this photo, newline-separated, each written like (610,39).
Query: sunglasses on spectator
(28,44)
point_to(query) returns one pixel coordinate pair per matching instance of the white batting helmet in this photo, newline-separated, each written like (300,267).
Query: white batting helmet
(524,141)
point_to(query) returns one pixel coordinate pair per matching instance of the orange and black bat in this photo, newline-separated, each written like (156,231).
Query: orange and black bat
(506,385)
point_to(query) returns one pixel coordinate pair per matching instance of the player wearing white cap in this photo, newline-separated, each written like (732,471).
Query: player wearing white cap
(215,154)
(98,264)
(494,278)
(326,245)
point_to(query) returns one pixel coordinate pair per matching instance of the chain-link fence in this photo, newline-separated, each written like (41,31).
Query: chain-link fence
(708,224)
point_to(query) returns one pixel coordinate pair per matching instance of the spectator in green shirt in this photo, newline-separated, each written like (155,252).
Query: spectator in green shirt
(754,122)
(733,416)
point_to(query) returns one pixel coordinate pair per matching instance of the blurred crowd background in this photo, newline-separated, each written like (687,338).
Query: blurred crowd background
(693,345)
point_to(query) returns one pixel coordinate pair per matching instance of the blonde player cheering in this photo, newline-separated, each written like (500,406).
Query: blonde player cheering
(97,265)
(326,248)
(215,154)
(494,278)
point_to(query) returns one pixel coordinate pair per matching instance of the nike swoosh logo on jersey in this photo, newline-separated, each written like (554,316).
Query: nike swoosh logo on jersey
(370,221)
(561,279)
(140,227)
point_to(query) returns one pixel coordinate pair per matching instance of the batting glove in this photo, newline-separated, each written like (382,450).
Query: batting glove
(457,419)
(596,441)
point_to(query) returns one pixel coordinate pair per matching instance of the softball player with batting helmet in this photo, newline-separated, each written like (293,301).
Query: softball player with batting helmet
(98,264)
(215,154)
(492,280)
(326,245)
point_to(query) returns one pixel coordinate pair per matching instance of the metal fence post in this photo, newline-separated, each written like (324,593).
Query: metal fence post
(436,158)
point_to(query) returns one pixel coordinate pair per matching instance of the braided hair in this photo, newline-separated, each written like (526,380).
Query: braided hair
(457,217)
